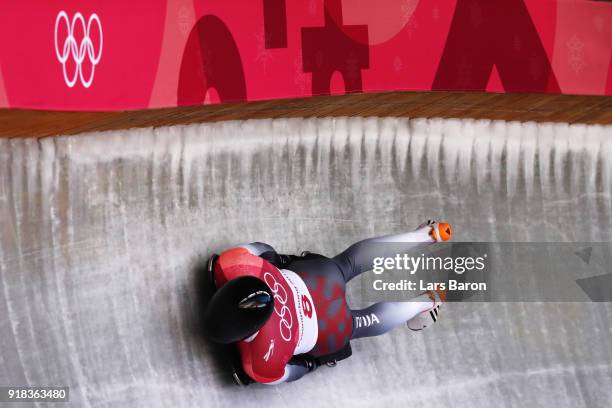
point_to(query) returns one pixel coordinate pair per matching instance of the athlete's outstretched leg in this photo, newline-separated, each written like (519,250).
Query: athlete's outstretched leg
(359,257)
(381,317)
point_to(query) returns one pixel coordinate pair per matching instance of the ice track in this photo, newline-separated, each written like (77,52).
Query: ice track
(100,236)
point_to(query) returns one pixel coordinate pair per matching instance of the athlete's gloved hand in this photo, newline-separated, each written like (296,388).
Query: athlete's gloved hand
(279,260)
(307,362)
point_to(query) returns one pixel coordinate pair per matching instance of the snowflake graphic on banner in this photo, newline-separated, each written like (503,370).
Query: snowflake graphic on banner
(575,48)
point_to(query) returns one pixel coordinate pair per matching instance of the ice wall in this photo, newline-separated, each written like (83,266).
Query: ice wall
(99,235)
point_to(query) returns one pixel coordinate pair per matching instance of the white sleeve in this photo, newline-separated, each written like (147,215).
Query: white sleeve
(257,248)
(292,372)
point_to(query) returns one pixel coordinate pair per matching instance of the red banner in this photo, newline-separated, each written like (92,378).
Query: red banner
(110,55)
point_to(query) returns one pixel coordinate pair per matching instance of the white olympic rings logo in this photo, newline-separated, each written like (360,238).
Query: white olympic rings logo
(78,51)
(280,298)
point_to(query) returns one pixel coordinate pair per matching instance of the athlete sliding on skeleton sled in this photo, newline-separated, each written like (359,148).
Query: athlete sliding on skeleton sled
(288,314)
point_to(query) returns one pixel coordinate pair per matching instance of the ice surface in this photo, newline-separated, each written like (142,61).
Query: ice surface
(100,233)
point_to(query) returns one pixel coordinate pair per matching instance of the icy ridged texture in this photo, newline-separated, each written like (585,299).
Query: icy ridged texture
(492,180)
(99,234)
